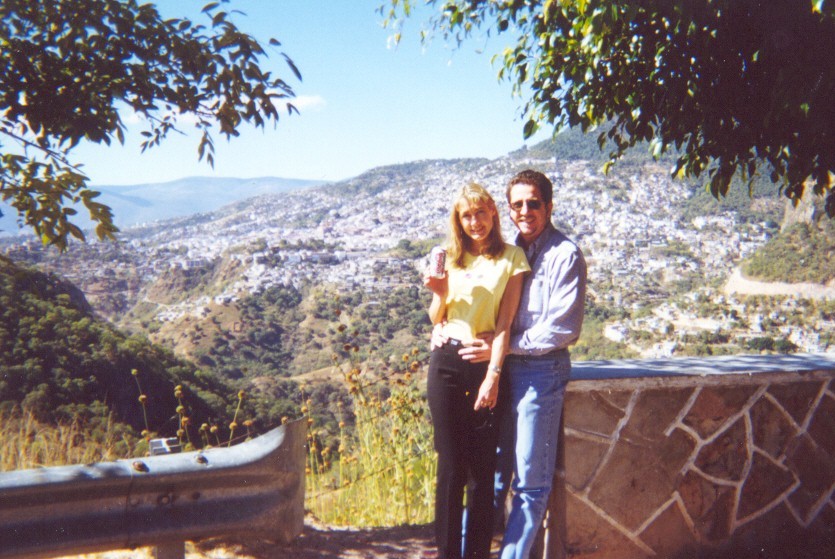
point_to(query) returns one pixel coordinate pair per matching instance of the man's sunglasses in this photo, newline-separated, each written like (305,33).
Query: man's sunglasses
(532,205)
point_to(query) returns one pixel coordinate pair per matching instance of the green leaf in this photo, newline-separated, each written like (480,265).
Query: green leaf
(530,128)
(293,67)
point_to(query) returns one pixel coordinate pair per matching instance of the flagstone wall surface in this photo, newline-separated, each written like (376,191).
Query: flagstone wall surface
(726,457)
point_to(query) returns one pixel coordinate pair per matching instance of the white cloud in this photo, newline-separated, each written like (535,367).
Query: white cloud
(302,103)
(132,118)
(308,102)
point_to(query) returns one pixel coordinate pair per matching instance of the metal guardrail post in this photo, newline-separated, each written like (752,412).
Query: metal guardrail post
(172,550)
(255,488)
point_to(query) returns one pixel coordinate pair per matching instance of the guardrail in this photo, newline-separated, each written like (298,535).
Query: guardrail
(254,488)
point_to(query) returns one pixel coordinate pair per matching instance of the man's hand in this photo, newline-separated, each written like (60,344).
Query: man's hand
(477,351)
(438,339)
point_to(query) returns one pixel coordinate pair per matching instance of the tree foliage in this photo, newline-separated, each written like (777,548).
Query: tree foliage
(732,87)
(264,347)
(72,68)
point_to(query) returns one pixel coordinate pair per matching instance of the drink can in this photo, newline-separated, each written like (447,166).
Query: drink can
(437,260)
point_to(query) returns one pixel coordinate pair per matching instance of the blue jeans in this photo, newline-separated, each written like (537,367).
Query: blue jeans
(531,429)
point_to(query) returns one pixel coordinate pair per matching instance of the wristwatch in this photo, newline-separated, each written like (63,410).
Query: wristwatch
(494,369)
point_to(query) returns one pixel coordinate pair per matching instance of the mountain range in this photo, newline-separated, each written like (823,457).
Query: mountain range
(649,240)
(139,204)
(259,289)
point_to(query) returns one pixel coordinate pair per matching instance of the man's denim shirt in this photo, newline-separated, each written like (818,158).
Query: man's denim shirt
(550,313)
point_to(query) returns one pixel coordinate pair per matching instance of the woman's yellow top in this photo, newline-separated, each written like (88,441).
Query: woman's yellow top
(475,291)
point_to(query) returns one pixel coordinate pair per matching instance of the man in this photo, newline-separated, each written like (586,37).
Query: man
(537,367)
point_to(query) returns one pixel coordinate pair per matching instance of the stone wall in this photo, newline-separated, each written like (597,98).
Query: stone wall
(723,457)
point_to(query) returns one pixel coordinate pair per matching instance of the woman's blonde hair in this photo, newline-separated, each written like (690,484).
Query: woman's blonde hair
(459,243)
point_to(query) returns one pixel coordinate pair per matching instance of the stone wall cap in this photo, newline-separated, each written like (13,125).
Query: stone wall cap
(702,366)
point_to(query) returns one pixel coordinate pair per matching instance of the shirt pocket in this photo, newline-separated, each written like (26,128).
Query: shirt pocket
(536,295)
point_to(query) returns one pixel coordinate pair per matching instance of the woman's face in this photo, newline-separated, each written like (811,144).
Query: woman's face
(476,220)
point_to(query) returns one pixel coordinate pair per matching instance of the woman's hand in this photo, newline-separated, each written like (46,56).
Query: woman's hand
(438,339)
(438,286)
(488,392)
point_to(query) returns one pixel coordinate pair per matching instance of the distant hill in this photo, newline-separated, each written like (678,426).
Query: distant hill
(145,203)
(803,253)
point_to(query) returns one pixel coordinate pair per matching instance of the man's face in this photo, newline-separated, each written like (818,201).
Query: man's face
(528,212)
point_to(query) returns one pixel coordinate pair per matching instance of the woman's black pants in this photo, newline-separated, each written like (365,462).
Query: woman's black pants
(465,441)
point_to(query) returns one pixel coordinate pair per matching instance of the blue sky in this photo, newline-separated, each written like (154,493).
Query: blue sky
(363,104)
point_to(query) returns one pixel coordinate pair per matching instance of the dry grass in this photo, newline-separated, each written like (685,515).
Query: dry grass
(380,473)
(383,471)
(28,443)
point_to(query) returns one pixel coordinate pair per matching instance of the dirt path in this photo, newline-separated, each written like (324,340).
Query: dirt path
(738,284)
(318,542)
(315,542)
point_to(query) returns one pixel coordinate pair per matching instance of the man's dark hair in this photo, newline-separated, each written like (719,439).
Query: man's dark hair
(533,178)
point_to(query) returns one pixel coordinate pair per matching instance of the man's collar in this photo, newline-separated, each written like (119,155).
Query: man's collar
(542,238)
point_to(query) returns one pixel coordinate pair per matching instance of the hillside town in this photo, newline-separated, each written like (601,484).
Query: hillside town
(642,254)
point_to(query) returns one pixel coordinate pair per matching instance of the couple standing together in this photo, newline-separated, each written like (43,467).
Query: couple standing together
(504,317)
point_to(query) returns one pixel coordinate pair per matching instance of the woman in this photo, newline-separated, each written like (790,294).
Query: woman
(478,293)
